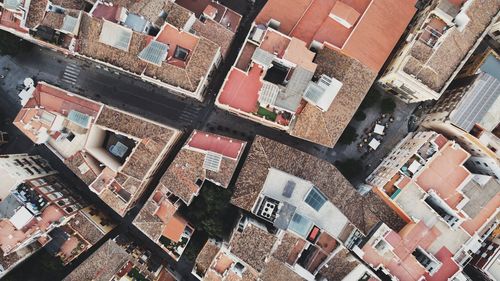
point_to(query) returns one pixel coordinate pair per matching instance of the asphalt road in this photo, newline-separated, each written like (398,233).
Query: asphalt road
(128,93)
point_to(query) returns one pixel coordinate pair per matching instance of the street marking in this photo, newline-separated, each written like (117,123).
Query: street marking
(71,73)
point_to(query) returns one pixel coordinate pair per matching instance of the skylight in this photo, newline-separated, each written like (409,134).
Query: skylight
(323,93)
(212,161)
(81,119)
(155,53)
(315,199)
(115,35)
(300,224)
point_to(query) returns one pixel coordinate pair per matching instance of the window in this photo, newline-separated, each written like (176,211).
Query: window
(181,53)
(315,199)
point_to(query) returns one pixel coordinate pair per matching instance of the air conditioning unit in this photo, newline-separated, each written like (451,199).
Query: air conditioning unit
(268,209)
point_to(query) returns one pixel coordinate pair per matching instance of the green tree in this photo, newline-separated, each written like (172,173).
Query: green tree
(348,136)
(371,98)
(349,167)
(212,216)
(387,105)
(359,115)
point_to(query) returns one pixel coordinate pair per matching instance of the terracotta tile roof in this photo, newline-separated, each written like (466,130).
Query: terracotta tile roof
(149,9)
(7,261)
(339,266)
(70,4)
(88,45)
(187,167)
(36,13)
(286,245)
(205,257)
(434,71)
(278,271)
(112,200)
(182,174)
(326,127)
(101,265)
(74,163)
(148,222)
(275,10)
(189,77)
(215,32)
(154,139)
(86,228)
(362,211)
(53,20)
(378,31)
(177,15)
(252,246)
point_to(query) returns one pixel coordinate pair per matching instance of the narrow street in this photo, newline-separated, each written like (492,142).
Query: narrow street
(138,97)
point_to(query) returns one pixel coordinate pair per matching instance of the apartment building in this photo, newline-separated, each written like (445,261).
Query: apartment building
(204,157)
(115,153)
(485,262)
(450,211)
(121,258)
(306,70)
(444,36)
(468,113)
(41,212)
(17,168)
(254,253)
(306,217)
(158,41)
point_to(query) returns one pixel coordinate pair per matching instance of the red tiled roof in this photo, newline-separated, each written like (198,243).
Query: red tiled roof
(228,147)
(380,28)
(381,24)
(241,90)
(447,269)
(55,99)
(287,12)
(174,228)
(110,13)
(472,225)
(445,174)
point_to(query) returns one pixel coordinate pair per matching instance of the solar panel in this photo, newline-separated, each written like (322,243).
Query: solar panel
(262,57)
(268,93)
(81,119)
(315,199)
(212,161)
(115,35)
(12,4)
(118,149)
(288,190)
(300,224)
(69,24)
(323,93)
(155,52)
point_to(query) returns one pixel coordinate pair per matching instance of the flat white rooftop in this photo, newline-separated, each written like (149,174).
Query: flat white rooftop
(328,217)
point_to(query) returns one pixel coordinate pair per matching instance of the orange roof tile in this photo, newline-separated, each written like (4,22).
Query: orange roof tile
(228,147)
(380,27)
(174,228)
(275,9)
(241,90)
(445,174)
(345,12)
(471,226)
(275,42)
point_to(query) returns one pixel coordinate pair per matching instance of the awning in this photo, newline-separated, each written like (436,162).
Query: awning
(379,129)
(374,144)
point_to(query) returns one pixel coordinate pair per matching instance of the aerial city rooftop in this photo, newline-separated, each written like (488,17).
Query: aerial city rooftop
(169,140)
